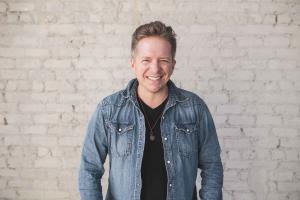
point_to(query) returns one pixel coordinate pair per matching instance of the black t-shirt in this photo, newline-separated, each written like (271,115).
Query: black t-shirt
(154,175)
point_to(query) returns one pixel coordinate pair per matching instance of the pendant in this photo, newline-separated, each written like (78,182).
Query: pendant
(152,137)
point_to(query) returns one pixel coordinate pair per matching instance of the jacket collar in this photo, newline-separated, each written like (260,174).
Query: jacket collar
(175,94)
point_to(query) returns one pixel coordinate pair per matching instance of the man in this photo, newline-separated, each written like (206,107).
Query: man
(156,135)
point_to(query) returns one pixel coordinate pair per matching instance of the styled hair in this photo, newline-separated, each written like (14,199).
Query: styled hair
(155,28)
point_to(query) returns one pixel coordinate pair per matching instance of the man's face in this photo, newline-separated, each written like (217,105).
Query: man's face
(153,64)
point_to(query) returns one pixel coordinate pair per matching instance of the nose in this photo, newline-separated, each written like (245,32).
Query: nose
(155,66)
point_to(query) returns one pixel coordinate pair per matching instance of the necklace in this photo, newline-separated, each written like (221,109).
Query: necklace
(152,135)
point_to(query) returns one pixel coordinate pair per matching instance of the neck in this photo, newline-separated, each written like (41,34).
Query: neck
(152,99)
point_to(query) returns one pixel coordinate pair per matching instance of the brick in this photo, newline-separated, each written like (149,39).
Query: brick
(42,151)
(292,155)
(229,132)
(289,165)
(241,75)
(48,163)
(290,143)
(237,85)
(61,64)
(216,98)
(64,53)
(21,7)
(295,40)
(277,196)
(231,175)
(249,154)
(241,120)
(244,195)
(70,141)
(36,53)
(292,121)
(3,184)
(31,194)
(12,75)
(3,7)
(46,118)
(268,142)
(41,75)
(43,97)
(278,155)
(58,108)
(95,74)
(17,162)
(54,6)
(20,183)
(236,186)
(71,163)
(249,41)
(61,86)
(278,64)
(45,184)
(33,173)
(16,140)
(288,187)
(18,119)
(276,41)
(18,85)
(32,107)
(6,63)
(237,143)
(8,107)
(284,53)
(264,120)
(8,194)
(287,109)
(68,75)
(292,75)
(56,194)
(9,173)
(285,132)
(46,141)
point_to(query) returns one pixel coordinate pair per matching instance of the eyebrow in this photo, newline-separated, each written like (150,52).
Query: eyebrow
(146,57)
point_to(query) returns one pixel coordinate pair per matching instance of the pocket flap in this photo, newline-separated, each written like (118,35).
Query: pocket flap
(185,128)
(120,127)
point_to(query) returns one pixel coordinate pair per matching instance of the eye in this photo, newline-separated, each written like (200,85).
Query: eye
(164,61)
(145,60)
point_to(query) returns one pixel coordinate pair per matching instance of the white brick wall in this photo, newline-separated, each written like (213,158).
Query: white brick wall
(58,59)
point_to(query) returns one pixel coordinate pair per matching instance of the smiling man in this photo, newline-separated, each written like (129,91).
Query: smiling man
(156,135)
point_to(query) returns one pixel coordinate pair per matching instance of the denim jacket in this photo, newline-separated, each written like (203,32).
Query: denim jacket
(117,128)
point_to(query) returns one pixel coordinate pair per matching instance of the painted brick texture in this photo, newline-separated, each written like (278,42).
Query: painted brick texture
(58,59)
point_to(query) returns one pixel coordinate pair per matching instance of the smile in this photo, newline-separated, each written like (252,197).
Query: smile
(154,78)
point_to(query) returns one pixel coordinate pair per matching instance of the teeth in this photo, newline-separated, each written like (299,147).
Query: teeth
(154,78)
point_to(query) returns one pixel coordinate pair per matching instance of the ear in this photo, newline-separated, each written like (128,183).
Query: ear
(173,64)
(132,64)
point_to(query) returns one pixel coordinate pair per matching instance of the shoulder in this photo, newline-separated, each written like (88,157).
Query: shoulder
(115,99)
(191,97)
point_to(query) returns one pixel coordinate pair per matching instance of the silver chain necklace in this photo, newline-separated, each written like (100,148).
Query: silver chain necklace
(152,135)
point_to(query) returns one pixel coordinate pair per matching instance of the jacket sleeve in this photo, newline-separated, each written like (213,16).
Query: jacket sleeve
(93,157)
(209,159)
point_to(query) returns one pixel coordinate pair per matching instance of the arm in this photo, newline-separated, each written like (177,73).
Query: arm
(93,157)
(209,159)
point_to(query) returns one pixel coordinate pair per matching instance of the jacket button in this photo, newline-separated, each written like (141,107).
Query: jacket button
(168,162)
(120,130)
(166,138)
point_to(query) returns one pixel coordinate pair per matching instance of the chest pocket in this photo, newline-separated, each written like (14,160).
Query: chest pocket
(186,139)
(121,138)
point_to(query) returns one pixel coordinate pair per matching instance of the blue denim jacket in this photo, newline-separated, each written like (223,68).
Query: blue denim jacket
(117,128)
